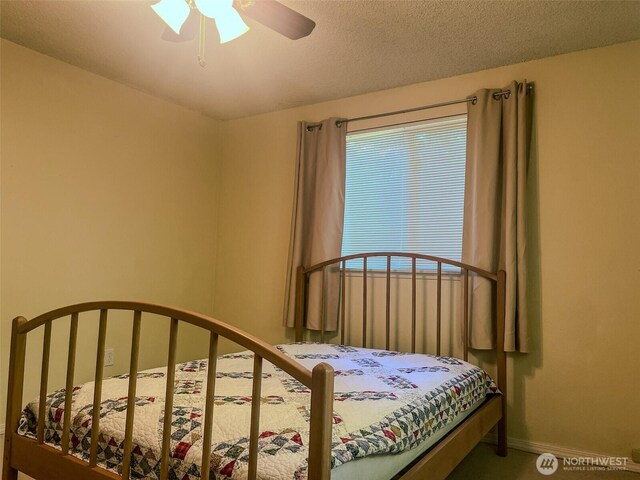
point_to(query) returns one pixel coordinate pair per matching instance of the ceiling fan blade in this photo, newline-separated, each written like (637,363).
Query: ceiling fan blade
(277,17)
(187,33)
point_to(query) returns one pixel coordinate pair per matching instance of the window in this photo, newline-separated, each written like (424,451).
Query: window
(405,192)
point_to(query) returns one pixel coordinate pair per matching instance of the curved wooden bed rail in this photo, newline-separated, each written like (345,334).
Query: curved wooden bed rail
(498,278)
(304,273)
(417,256)
(319,380)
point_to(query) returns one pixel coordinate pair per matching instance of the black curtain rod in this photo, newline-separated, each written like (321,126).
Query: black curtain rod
(473,100)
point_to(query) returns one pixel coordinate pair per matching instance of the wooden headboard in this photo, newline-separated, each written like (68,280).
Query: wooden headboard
(459,269)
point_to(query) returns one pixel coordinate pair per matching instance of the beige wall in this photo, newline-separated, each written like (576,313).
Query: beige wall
(107,193)
(580,387)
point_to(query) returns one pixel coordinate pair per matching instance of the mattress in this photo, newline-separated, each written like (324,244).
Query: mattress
(385,467)
(385,402)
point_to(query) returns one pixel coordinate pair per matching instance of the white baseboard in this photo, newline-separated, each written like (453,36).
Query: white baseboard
(562,452)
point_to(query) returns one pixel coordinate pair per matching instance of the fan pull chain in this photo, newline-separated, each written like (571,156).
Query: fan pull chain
(201,41)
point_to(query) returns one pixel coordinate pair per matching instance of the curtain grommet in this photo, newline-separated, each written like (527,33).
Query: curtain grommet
(501,95)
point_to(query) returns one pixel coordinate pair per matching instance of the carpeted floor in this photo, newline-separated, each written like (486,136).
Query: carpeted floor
(483,464)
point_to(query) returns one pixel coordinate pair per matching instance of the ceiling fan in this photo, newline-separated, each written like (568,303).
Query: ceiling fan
(185,17)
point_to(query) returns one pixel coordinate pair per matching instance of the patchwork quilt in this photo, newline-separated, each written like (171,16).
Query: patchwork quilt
(385,402)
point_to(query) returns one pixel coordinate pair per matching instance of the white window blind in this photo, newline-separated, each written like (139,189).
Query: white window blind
(405,192)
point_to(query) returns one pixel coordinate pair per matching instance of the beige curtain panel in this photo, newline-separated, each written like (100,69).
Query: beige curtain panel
(494,230)
(318,219)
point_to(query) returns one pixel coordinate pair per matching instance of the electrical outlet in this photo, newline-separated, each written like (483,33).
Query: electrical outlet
(635,455)
(108,357)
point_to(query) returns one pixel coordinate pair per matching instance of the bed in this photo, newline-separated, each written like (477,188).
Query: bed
(316,410)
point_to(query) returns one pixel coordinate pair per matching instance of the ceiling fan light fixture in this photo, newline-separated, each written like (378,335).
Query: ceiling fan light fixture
(230,26)
(186,17)
(173,12)
(229,23)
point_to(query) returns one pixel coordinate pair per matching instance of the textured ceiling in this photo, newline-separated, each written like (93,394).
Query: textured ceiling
(358,46)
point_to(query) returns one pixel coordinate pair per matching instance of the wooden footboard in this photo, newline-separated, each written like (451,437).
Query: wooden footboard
(43,462)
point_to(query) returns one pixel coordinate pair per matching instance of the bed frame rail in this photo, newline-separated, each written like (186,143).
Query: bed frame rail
(22,454)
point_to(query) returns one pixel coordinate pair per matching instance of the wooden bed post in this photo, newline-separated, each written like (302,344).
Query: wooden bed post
(299,307)
(321,422)
(501,360)
(14,393)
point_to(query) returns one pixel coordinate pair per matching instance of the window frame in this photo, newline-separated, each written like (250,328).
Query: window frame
(374,272)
